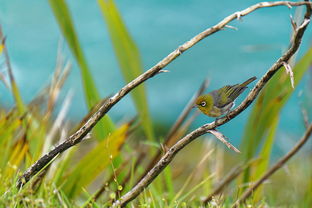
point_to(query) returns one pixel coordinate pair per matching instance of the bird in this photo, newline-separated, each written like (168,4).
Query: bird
(221,101)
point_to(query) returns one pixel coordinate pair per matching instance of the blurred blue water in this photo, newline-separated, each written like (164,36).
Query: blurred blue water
(158,27)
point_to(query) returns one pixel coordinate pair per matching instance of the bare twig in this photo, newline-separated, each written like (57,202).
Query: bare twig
(275,167)
(231,27)
(170,154)
(77,137)
(293,23)
(223,139)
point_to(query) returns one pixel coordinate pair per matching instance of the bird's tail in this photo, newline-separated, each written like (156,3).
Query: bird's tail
(248,81)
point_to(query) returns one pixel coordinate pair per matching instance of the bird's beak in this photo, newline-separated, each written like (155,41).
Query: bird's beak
(194,106)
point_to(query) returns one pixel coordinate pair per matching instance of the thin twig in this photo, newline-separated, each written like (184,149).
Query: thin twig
(223,139)
(170,154)
(77,137)
(275,167)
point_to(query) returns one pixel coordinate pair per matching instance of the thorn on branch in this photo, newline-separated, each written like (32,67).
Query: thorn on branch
(223,139)
(231,27)
(291,73)
(163,71)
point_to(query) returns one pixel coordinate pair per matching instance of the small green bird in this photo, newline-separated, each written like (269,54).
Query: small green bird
(219,102)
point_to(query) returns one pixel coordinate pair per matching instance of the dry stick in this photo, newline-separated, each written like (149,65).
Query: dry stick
(168,157)
(275,167)
(78,136)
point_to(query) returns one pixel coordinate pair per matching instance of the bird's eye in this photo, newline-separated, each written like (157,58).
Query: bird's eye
(203,104)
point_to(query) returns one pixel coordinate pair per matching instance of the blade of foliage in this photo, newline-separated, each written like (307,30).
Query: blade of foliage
(266,110)
(92,97)
(129,60)
(94,162)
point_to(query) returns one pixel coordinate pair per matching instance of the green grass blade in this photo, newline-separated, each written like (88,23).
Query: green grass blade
(92,97)
(129,60)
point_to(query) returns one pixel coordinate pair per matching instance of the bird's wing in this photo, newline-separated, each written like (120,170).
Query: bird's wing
(230,92)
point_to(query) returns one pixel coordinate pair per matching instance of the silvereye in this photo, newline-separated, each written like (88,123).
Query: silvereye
(219,102)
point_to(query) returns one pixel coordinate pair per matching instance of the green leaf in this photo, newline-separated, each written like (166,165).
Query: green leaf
(92,97)
(129,60)
(94,162)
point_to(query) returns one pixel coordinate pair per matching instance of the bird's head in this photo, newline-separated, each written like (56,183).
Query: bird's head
(204,103)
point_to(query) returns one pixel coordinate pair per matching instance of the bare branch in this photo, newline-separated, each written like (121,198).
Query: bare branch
(293,23)
(170,154)
(77,137)
(223,139)
(275,167)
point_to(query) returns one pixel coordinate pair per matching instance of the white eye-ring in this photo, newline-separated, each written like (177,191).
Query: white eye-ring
(203,104)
